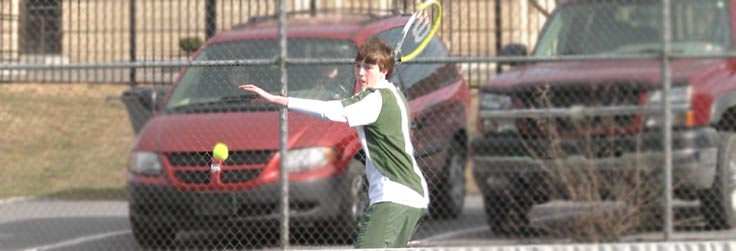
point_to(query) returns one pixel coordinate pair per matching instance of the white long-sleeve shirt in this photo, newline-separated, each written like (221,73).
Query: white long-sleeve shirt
(381,116)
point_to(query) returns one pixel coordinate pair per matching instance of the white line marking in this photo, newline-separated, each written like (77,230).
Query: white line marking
(454,234)
(15,199)
(79,240)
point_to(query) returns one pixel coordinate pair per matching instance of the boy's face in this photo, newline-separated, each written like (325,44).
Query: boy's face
(367,75)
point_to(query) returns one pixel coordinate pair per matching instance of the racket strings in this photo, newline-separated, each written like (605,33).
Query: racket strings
(422,26)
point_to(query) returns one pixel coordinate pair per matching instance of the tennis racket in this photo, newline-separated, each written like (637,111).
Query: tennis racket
(420,29)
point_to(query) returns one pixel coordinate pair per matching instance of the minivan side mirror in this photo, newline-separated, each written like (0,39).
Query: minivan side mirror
(141,104)
(513,50)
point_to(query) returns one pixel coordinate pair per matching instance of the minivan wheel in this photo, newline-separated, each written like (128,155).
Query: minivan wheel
(347,226)
(719,202)
(151,237)
(450,197)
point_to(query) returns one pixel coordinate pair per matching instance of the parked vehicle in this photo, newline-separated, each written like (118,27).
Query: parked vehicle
(169,187)
(590,116)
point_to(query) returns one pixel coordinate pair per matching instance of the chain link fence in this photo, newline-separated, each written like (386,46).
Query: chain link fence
(533,122)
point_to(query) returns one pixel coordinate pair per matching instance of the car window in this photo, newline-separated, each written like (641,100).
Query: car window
(218,86)
(421,78)
(633,27)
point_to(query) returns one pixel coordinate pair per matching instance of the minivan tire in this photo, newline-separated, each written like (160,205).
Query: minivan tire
(150,237)
(347,225)
(450,195)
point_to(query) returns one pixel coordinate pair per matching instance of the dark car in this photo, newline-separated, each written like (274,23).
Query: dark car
(169,185)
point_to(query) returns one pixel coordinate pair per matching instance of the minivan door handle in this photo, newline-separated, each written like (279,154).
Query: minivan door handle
(419,123)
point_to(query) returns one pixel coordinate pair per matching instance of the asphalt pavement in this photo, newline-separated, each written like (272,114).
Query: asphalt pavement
(34,224)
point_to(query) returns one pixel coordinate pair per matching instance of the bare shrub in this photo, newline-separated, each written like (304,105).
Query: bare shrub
(585,161)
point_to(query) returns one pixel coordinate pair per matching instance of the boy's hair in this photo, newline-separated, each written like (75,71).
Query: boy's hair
(376,51)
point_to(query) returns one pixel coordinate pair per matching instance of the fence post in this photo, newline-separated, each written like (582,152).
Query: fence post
(283,131)
(210,18)
(499,32)
(132,31)
(666,109)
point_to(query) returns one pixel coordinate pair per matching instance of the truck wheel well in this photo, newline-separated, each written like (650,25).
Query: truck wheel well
(727,122)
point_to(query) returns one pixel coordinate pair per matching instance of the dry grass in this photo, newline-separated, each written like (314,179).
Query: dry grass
(63,140)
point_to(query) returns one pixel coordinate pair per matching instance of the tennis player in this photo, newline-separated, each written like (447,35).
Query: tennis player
(397,188)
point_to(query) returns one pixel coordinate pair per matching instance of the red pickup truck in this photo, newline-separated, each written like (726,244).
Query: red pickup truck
(540,120)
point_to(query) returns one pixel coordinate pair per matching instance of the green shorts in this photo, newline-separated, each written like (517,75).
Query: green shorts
(388,225)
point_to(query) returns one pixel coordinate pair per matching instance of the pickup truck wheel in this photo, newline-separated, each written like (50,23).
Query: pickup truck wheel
(450,197)
(150,237)
(507,216)
(719,202)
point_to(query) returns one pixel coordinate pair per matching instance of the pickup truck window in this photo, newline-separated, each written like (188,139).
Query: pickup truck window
(632,27)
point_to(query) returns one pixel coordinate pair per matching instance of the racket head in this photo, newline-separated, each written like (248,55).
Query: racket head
(419,30)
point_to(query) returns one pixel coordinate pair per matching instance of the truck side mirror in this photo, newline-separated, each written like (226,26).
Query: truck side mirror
(513,50)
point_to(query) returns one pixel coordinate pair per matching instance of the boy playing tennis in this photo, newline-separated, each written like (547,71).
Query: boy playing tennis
(397,188)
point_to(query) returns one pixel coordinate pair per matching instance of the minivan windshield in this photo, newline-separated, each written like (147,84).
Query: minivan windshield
(215,88)
(633,26)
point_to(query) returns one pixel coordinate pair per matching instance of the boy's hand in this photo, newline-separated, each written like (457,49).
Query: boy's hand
(256,90)
(265,95)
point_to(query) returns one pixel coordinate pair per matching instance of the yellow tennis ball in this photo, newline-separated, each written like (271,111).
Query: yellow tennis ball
(220,151)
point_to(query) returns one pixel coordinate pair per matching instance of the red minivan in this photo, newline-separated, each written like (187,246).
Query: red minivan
(169,185)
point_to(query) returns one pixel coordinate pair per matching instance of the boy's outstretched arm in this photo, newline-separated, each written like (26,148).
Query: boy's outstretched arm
(327,110)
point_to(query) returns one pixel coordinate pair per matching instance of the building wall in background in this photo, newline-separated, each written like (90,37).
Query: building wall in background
(9,30)
(99,30)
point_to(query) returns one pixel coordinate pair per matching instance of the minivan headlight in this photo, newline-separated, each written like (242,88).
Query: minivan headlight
(145,163)
(304,159)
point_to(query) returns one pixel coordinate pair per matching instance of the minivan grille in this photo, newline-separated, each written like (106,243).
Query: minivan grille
(228,176)
(205,158)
